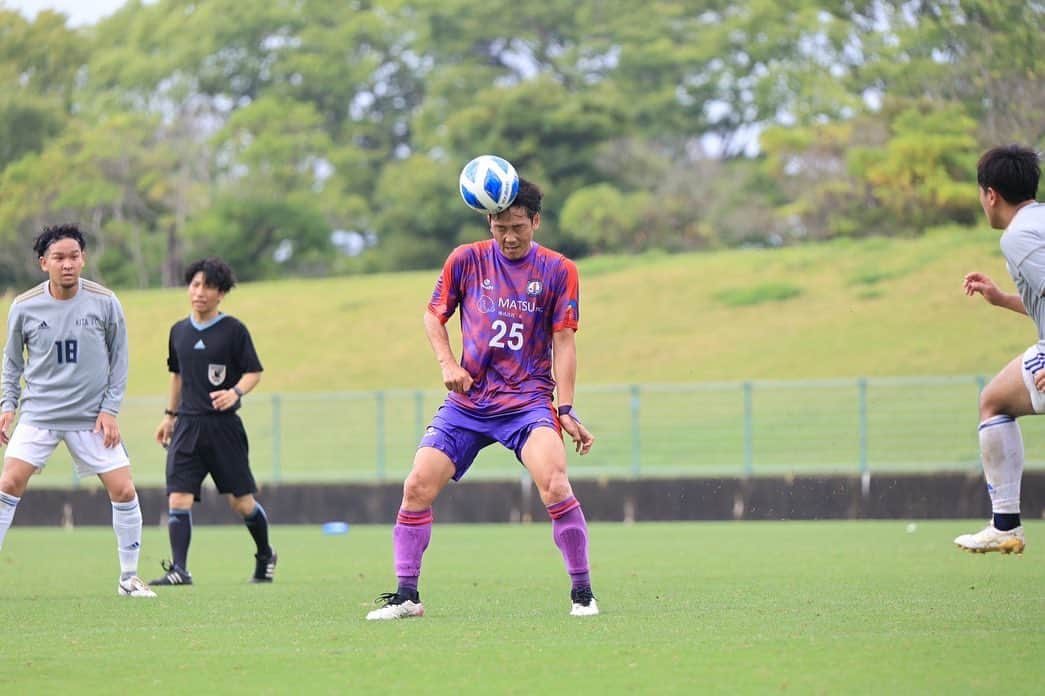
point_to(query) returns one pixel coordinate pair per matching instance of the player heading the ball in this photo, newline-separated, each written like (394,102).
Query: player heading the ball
(520,308)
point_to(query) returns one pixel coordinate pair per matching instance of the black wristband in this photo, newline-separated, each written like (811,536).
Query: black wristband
(567,410)
(168,412)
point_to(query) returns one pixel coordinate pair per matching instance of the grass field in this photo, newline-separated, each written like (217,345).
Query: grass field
(821,607)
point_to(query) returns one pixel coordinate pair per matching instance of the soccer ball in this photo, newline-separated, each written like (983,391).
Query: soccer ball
(489,184)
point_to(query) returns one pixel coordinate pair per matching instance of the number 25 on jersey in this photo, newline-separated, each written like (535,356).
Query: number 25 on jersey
(505,336)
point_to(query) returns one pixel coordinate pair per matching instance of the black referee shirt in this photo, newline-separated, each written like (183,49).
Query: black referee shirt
(208,359)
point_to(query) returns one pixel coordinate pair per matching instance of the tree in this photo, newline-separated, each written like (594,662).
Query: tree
(39,61)
(96,175)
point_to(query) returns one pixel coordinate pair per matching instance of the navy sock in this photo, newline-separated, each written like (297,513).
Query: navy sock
(179,528)
(1004,521)
(258,526)
(408,592)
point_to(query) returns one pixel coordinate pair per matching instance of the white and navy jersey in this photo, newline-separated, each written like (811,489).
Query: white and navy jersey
(71,353)
(209,356)
(1023,244)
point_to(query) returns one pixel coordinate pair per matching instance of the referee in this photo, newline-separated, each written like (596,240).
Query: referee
(213,365)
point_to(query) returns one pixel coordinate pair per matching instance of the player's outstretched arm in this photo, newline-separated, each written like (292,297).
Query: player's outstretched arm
(455,377)
(979,283)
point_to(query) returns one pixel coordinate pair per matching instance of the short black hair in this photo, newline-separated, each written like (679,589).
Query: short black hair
(52,234)
(529,197)
(1011,170)
(216,273)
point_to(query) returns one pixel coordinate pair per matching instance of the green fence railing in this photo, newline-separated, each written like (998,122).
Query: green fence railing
(746,428)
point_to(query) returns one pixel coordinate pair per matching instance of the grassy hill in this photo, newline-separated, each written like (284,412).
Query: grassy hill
(875,307)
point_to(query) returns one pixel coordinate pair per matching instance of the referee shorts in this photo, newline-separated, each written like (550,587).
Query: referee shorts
(212,444)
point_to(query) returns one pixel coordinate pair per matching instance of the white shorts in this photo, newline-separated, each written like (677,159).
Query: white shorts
(1033,361)
(90,456)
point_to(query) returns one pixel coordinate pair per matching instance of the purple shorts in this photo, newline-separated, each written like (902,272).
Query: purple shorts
(460,435)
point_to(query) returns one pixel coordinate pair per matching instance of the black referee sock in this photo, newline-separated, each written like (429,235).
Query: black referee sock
(179,528)
(258,525)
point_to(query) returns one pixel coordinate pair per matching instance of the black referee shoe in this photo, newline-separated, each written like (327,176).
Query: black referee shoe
(176,575)
(264,566)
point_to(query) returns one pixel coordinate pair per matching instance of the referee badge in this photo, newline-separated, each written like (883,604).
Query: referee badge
(216,374)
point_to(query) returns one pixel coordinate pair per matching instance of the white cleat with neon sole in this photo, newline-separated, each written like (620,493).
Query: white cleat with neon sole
(397,607)
(134,587)
(989,539)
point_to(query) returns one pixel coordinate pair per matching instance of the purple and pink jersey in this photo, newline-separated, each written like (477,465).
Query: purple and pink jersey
(509,312)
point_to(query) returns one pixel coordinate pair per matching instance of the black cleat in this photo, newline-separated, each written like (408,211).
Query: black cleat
(175,575)
(264,566)
(584,603)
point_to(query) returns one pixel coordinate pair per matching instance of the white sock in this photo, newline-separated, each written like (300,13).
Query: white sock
(1001,450)
(8,503)
(127,523)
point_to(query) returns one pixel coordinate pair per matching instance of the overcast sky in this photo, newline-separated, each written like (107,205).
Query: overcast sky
(80,12)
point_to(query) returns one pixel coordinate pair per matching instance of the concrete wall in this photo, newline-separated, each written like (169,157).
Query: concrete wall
(913,496)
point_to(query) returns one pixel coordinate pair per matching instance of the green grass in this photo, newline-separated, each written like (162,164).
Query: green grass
(757,294)
(823,607)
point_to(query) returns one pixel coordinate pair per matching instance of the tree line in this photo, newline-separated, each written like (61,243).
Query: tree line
(317,137)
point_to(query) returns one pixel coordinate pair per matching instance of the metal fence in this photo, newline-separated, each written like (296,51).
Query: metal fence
(729,428)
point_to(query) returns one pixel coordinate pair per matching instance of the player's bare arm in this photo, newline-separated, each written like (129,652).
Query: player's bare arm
(106,425)
(6,418)
(224,399)
(982,284)
(564,367)
(455,377)
(166,427)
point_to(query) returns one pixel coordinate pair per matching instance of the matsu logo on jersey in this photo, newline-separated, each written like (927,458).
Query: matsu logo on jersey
(216,374)
(534,287)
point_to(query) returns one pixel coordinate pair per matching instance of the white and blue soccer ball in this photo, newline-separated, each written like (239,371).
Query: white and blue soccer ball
(489,184)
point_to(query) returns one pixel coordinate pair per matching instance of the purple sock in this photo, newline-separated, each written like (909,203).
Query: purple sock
(570,531)
(410,538)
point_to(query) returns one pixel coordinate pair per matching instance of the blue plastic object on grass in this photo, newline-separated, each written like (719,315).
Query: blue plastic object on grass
(335,528)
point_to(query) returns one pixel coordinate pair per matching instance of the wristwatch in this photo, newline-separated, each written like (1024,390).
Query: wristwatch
(239,392)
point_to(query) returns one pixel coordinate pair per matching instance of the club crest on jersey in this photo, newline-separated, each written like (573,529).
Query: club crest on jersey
(534,287)
(487,284)
(216,374)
